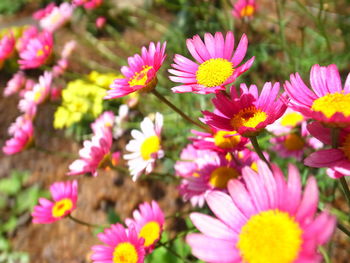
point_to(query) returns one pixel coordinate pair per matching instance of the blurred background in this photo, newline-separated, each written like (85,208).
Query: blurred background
(284,36)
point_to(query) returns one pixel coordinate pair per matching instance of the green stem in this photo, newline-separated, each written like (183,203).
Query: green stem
(81,222)
(258,150)
(173,252)
(180,112)
(324,253)
(343,229)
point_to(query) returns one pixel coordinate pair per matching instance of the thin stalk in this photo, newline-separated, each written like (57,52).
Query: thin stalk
(258,150)
(177,110)
(343,229)
(81,222)
(174,252)
(324,253)
(343,183)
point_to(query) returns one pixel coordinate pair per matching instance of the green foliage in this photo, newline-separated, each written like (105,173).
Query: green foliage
(10,6)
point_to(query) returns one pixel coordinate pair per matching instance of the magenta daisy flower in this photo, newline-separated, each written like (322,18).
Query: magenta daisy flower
(149,222)
(122,246)
(141,73)
(217,64)
(327,102)
(37,51)
(244,8)
(248,113)
(220,141)
(7,46)
(264,219)
(22,139)
(337,160)
(88,4)
(64,195)
(95,154)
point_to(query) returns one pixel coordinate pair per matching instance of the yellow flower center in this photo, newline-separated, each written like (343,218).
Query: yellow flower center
(106,161)
(248,10)
(248,117)
(37,96)
(61,207)
(140,78)
(270,236)
(291,119)
(150,146)
(254,166)
(220,176)
(125,253)
(346,147)
(150,232)
(294,142)
(39,53)
(220,139)
(214,72)
(333,103)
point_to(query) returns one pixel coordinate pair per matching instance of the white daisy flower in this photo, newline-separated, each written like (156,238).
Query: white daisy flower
(145,148)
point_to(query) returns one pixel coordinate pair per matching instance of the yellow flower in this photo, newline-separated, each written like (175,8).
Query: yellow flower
(103,80)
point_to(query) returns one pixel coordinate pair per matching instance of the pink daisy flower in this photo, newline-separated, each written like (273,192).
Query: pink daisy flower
(41,13)
(60,68)
(295,144)
(68,49)
(264,219)
(88,4)
(217,64)
(57,17)
(248,113)
(29,33)
(328,102)
(141,73)
(337,160)
(103,122)
(94,155)
(7,46)
(122,246)
(15,84)
(145,147)
(37,51)
(148,221)
(64,195)
(100,22)
(22,133)
(244,8)
(220,141)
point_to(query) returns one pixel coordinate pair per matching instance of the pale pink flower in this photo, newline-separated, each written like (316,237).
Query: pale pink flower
(58,16)
(121,245)
(148,221)
(64,195)
(95,154)
(15,84)
(22,133)
(37,51)
(104,122)
(217,63)
(244,8)
(100,22)
(41,13)
(338,159)
(60,67)
(263,219)
(68,49)
(120,120)
(141,74)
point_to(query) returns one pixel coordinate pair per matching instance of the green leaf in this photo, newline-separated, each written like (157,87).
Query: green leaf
(27,199)
(10,186)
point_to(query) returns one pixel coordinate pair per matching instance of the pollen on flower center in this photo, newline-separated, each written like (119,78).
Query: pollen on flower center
(150,146)
(214,72)
(293,142)
(39,53)
(271,236)
(150,232)
(226,139)
(291,119)
(345,147)
(248,117)
(125,253)
(61,207)
(140,78)
(220,176)
(333,103)
(247,11)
